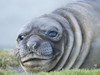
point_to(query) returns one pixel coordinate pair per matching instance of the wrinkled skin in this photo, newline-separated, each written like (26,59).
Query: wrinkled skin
(38,50)
(65,39)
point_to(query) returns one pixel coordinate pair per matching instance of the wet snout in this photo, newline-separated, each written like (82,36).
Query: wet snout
(39,46)
(33,42)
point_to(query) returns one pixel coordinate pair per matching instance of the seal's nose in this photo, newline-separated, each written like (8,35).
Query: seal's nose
(31,44)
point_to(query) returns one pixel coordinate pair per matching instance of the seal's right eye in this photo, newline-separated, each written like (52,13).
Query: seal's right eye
(52,33)
(20,37)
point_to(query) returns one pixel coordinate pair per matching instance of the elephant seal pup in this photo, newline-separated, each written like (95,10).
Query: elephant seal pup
(67,38)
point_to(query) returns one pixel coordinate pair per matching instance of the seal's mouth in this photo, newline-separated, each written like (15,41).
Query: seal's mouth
(35,57)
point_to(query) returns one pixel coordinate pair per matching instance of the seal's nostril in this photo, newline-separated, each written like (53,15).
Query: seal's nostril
(28,44)
(31,44)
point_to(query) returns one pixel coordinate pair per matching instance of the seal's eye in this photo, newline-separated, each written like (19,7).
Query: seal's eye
(20,37)
(52,34)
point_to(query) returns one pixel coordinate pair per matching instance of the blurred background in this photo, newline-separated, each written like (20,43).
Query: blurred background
(15,13)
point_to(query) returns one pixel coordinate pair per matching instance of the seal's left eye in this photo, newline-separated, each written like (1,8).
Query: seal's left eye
(52,34)
(20,37)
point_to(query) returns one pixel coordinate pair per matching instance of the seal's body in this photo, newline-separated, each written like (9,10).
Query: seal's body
(67,38)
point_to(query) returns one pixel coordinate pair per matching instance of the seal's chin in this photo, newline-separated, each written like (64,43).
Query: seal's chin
(36,63)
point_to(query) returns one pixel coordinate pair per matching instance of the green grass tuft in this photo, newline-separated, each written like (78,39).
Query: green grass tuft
(8,59)
(4,72)
(63,72)
(71,72)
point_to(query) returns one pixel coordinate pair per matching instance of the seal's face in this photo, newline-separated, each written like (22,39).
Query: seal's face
(39,45)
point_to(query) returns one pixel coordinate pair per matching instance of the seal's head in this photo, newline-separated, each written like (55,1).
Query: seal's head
(40,44)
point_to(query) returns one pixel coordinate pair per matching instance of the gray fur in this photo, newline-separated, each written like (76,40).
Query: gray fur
(77,44)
